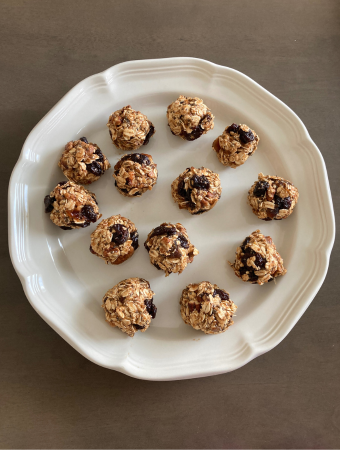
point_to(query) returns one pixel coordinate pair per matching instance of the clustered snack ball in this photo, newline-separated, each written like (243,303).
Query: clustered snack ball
(234,146)
(170,248)
(197,190)
(114,240)
(130,129)
(207,308)
(257,260)
(189,118)
(272,197)
(71,206)
(129,306)
(83,162)
(135,174)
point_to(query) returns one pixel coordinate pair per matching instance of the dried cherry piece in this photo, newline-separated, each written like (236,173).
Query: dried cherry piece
(100,154)
(89,214)
(150,307)
(283,203)
(261,188)
(134,237)
(149,135)
(162,229)
(84,139)
(183,240)
(95,168)
(48,202)
(200,182)
(223,295)
(233,127)
(138,327)
(246,136)
(120,234)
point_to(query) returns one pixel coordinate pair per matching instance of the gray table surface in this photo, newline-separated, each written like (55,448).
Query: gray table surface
(50,396)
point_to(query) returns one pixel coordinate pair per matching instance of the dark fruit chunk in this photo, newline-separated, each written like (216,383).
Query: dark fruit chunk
(134,237)
(148,136)
(246,136)
(261,188)
(223,295)
(120,234)
(84,139)
(195,134)
(62,183)
(272,213)
(283,203)
(92,251)
(89,214)
(150,307)
(175,253)
(200,182)
(245,242)
(139,158)
(94,168)
(100,154)
(66,228)
(251,275)
(138,327)
(167,231)
(186,194)
(48,201)
(183,240)
(233,127)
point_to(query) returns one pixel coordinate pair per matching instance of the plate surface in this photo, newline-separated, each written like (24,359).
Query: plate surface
(65,283)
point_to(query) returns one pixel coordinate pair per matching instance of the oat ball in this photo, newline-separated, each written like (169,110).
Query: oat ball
(272,197)
(130,129)
(135,174)
(206,307)
(129,306)
(71,206)
(189,118)
(83,162)
(169,248)
(114,240)
(257,260)
(235,145)
(197,190)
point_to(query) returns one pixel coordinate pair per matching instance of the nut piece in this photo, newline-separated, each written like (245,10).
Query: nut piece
(206,307)
(83,162)
(135,174)
(189,118)
(170,248)
(129,306)
(272,197)
(235,145)
(114,240)
(257,260)
(71,206)
(130,129)
(197,190)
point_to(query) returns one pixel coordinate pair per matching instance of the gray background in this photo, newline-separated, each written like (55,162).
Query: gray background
(50,396)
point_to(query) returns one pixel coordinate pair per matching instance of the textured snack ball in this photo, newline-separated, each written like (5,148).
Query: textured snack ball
(135,174)
(189,118)
(207,308)
(114,240)
(129,306)
(197,190)
(257,260)
(71,206)
(235,145)
(130,129)
(83,162)
(169,248)
(272,197)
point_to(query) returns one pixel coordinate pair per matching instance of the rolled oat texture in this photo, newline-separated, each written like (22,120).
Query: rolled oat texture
(207,308)
(257,260)
(114,240)
(129,306)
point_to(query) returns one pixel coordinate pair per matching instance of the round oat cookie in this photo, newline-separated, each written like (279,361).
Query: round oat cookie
(189,118)
(129,306)
(114,240)
(71,206)
(272,197)
(207,308)
(83,162)
(169,248)
(135,174)
(197,190)
(257,260)
(130,129)
(234,146)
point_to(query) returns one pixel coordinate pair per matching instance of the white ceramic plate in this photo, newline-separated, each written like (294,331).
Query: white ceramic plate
(65,283)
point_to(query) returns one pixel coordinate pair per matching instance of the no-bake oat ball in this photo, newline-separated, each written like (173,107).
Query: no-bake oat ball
(83,162)
(206,307)
(135,174)
(71,206)
(235,145)
(197,190)
(189,118)
(114,240)
(130,129)
(272,197)
(169,248)
(129,306)
(257,260)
